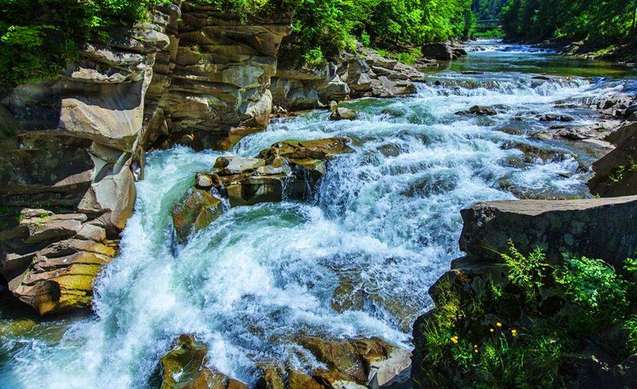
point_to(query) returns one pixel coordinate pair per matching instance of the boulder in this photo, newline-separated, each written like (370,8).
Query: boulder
(479,110)
(438,51)
(184,367)
(350,363)
(572,226)
(196,211)
(340,113)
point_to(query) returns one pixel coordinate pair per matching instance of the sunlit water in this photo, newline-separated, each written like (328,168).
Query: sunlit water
(385,222)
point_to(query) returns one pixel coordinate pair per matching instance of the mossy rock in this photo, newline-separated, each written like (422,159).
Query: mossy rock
(195,212)
(184,367)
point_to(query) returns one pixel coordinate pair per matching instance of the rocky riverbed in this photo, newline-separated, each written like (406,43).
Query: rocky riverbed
(302,256)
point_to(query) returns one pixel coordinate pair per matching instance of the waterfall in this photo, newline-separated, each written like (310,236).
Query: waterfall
(357,260)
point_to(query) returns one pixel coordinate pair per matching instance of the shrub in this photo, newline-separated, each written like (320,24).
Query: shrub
(521,330)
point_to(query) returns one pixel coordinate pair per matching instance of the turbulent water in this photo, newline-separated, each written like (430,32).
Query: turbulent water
(382,228)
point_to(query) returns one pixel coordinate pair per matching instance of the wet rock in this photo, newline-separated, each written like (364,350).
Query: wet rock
(533,152)
(511,131)
(360,361)
(631,113)
(551,117)
(556,226)
(340,113)
(290,169)
(390,150)
(271,377)
(347,296)
(184,367)
(203,181)
(195,212)
(274,377)
(479,110)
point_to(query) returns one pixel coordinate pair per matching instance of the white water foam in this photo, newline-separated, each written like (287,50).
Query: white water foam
(385,221)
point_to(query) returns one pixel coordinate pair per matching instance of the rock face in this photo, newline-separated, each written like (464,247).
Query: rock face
(362,74)
(184,367)
(51,260)
(290,169)
(597,228)
(214,78)
(616,173)
(189,75)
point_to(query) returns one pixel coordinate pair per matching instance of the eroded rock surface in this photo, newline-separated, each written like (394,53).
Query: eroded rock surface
(290,169)
(185,367)
(51,260)
(364,73)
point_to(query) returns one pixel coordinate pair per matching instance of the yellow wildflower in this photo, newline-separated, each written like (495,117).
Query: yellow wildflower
(514,332)
(498,324)
(454,339)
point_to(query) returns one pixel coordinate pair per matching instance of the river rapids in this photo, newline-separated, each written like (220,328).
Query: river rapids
(357,260)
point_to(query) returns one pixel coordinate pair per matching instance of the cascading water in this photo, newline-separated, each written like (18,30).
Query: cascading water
(357,261)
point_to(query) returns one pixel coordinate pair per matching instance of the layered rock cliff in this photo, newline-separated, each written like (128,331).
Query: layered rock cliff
(363,73)
(74,146)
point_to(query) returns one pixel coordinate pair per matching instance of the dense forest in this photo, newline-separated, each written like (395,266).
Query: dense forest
(597,22)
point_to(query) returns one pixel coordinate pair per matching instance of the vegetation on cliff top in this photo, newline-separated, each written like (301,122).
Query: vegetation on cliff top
(533,325)
(38,37)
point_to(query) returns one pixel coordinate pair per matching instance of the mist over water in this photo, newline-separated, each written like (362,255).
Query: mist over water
(384,223)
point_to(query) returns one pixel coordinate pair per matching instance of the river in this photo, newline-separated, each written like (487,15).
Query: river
(356,261)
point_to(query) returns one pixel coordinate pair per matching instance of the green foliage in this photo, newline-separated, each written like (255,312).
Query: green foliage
(395,25)
(598,22)
(521,330)
(630,326)
(526,272)
(593,285)
(38,37)
(409,57)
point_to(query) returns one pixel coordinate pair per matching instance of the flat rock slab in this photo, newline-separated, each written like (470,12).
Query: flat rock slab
(596,228)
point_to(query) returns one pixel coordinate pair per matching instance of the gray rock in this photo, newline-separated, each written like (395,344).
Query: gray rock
(556,226)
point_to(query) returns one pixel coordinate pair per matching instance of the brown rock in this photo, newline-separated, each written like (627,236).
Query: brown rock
(195,212)
(184,367)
